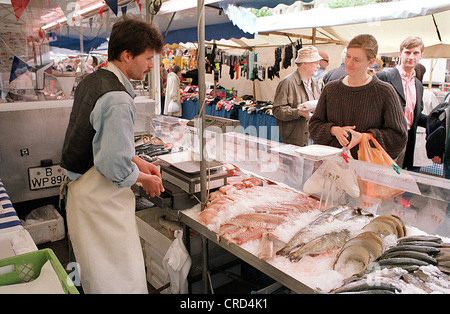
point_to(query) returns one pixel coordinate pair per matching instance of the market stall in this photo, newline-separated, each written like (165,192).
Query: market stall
(253,197)
(252,216)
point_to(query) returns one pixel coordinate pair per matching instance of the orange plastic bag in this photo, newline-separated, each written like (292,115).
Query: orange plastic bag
(376,155)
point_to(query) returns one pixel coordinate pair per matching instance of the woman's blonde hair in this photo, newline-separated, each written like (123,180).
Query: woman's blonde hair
(366,42)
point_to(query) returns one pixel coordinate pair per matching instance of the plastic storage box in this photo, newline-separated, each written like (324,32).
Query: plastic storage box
(49,229)
(27,267)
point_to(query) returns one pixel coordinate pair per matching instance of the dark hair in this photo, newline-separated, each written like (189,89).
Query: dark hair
(135,36)
(420,71)
(176,69)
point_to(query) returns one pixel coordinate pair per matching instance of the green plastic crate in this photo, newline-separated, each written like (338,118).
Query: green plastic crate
(28,266)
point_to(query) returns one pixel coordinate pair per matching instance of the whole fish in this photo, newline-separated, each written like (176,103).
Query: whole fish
(421,243)
(411,254)
(300,237)
(378,291)
(367,285)
(399,261)
(426,238)
(417,248)
(320,245)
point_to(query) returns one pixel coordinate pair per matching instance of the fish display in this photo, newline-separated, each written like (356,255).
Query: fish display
(355,245)
(259,206)
(412,263)
(411,253)
(341,212)
(277,200)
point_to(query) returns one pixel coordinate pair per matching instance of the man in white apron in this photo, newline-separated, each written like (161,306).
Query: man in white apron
(99,158)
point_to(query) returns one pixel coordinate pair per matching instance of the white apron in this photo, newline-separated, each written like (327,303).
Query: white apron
(102,228)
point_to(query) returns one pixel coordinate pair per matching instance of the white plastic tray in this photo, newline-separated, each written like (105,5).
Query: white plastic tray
(318,152)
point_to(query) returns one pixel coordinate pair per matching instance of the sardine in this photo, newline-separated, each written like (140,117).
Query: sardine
(301,236)
(421,243)
(417,248)
(399,261)
(409,268)
(380,291)
(410,254)
(420,238)
(367,285)
(320,245)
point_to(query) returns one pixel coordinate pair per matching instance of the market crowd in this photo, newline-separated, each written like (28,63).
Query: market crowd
(338,107)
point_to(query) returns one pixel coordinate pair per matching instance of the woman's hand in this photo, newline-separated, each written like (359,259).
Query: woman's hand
(342,134)
(355,139)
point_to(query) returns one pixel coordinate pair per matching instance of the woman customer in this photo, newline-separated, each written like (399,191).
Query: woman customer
(359,103)
(173,93)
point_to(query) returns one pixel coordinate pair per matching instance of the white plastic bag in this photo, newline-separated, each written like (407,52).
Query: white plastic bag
(173,107)
(333,178)
(177,263)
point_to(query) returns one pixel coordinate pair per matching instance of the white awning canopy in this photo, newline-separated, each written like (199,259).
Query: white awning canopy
(389,22)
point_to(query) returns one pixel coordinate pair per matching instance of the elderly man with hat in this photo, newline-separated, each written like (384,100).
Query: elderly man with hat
(295,97)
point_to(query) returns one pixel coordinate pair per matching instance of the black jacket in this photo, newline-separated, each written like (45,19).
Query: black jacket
(393,77)
(77,153)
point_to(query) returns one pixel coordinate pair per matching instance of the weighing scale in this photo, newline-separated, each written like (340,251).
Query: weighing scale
(219,122)
(181,180)
(183,170)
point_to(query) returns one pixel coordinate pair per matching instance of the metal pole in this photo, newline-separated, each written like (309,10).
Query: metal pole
(201,96)
(201,102)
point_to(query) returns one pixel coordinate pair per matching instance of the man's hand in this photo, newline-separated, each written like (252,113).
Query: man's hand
(151,184)
(437,160)
(304,114)
(146,167)
(149,177)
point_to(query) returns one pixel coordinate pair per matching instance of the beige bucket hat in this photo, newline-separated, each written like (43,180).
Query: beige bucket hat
(308,54)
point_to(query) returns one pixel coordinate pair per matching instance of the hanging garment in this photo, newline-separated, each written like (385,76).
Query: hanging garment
(231,67)
(287,56)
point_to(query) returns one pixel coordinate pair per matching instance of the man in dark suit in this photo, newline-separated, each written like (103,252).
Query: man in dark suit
(410,92)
